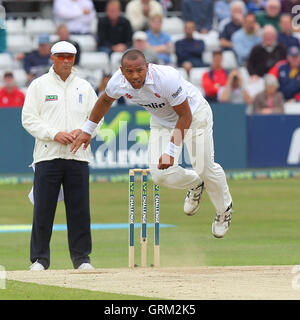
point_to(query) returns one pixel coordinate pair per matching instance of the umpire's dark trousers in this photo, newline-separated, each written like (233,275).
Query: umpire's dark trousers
(48,177)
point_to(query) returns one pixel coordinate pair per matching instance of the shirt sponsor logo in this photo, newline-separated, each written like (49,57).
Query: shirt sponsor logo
(157,95)
(128,96)
(174,95)
(51,98)
(153,105)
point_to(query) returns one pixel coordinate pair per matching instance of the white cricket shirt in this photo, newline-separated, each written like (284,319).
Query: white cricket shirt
(163,89)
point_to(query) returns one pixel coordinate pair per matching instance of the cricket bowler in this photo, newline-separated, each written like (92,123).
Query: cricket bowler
(179,114)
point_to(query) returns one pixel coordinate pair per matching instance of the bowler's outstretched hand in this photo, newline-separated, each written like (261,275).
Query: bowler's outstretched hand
(83,139)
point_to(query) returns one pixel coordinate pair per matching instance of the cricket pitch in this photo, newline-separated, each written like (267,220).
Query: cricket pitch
(188,283)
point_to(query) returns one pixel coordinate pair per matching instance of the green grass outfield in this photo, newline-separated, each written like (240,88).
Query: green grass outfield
(265,230)
(16,290)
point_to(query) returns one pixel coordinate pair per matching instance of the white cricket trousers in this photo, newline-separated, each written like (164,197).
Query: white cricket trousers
(200,146)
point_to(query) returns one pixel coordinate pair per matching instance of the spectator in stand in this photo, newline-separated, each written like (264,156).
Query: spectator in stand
(265,55)
(222,9)
(234,90)
(237,9)
(287,6)
(139,39)
(254,5)
(38,62)
(114,31)
(285,35)
(214,78)
(64,35)
(271,15)
(288,74)
(138,12)
(189,50)
(199,11)
(2,39)
(246,38)
(10,95)
(76,14)
(159,41)
(269,101)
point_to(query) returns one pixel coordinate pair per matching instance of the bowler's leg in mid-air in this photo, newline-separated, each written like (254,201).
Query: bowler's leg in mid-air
(199,143)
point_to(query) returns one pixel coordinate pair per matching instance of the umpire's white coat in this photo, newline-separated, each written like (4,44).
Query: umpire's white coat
(53,105)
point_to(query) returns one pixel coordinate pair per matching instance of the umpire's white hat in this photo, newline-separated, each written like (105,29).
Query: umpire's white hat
(63,47)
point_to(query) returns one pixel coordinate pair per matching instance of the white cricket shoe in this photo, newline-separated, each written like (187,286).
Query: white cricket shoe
(36,266)
(86,266)
(192,200)
(221,223)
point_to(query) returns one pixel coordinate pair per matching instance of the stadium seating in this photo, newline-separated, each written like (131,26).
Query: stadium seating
(36,26)
(183,73)
(94,26)
(6,61)
(176,37)
(17,43)
(86,42)
(22,38)
(115,60)
(95,77)
(292,108)
(94,61)
(244,73)
(172,25)
(210,39)
(207,57)
(20,77)
(196,77)
(92,76)
(53,38)
(173,59)
(15,26)
(229,60)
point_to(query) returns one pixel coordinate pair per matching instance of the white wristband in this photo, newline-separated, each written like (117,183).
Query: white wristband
(171,149)
(89,127)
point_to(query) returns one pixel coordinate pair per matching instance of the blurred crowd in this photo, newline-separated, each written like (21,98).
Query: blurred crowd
(235,51)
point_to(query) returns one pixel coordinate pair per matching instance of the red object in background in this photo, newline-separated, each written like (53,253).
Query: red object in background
(210,79)
(15,99)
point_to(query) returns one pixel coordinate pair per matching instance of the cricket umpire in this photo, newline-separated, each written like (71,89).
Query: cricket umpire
(57,104)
